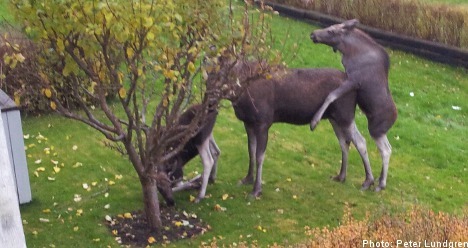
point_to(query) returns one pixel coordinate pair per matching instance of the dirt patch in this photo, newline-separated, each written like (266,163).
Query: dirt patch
(132,228)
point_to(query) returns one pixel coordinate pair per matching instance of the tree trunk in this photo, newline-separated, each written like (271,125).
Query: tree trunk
(151,201)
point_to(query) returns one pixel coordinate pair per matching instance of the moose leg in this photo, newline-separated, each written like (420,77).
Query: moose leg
(360,143)
(344,144)
(385,150)
(252,140)
(335,94)
(215,152)
(208,162)
(262,140)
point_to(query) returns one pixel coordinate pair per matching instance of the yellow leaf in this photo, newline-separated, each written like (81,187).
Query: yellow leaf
(79,212)
(150,36)
(129,52)
(48,93)
(178,223)
(151,240)
(76,228)
(191,67)
(56,169)
(115,232)
(128,215)
(17,100)
(46,211)
(40,169)
(148,22)
(53,105)
(218,208)
(122,92)
(111,182)
(225,196)
(192,198)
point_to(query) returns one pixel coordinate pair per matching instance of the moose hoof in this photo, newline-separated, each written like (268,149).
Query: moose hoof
(245,181)
(339,178)
(379,188)
(255,194)
(313,125)
(366,185)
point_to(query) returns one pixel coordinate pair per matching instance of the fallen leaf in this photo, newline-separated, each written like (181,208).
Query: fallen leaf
(177,223)
(107,206)
(38,161)
(43,220)
(192,198)
(79,212)
(40,169)
(46,211)
(76,228)
(77,164)
(75,147)
(56,169)
(225,196)
(108,218)
(77,198)
(128,215)
(218,208)
(85,186)
(111,182)
(51,178)
(54,161)
(115,232)
(151,240)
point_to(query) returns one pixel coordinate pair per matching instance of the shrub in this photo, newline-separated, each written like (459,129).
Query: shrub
(416,225)
(433,22)
(22,79)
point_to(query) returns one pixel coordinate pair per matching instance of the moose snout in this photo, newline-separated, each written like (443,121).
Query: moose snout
(313,37)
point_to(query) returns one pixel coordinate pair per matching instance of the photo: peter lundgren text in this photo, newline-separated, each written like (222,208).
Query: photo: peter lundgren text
(418,244)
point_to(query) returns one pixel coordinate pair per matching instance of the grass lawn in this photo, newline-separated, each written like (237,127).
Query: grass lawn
(76,181)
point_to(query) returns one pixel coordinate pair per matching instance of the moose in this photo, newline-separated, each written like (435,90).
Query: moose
(203,144)
(294,96)
(367,65)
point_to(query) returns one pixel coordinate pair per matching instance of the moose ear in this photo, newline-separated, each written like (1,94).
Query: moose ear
(350,24)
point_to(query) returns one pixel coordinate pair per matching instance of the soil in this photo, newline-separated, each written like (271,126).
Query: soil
(132,228)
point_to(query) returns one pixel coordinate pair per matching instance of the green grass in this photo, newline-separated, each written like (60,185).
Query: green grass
(428,165)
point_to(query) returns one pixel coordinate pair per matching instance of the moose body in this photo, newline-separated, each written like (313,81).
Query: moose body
(203,144)
(367,65)
(294,97)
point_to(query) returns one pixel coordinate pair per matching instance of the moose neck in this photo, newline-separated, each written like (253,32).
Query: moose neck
(359,49)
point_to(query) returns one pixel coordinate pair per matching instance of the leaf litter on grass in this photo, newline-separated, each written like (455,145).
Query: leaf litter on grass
(133,229)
